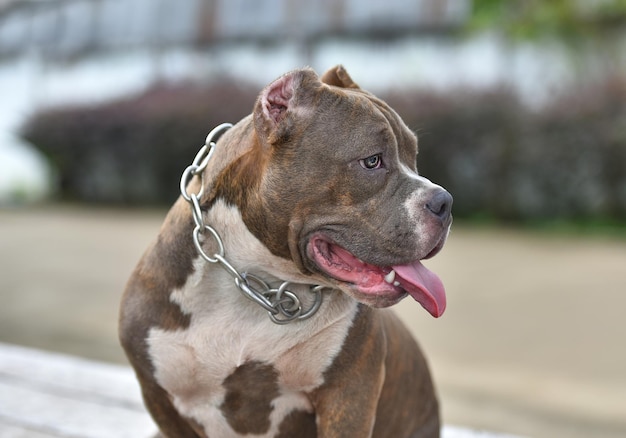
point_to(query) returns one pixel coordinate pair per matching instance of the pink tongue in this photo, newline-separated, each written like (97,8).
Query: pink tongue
(424,286)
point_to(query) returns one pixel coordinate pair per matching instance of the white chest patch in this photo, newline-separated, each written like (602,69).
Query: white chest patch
(227,331)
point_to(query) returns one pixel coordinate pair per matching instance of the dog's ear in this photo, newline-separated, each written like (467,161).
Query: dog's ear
(339,77)
(286,97)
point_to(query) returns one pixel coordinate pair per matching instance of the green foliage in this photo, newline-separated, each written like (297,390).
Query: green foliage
(532,19)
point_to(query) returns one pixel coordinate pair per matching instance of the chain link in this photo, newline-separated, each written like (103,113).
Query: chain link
(282,305)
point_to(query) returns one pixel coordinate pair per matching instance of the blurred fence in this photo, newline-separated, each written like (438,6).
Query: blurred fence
(496,156)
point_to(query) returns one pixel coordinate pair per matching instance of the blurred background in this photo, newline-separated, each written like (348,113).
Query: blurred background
(520,107)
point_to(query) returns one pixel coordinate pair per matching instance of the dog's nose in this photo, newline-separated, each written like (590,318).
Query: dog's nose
(440,205)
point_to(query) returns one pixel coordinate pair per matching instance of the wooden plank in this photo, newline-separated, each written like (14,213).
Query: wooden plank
(51,395)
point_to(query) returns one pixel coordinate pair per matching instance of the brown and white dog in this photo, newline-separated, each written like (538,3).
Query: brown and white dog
(317,186)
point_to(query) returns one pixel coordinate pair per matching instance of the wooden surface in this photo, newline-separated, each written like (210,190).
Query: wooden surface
(50,395)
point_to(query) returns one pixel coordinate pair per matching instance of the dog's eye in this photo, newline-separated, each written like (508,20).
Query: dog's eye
(372,162)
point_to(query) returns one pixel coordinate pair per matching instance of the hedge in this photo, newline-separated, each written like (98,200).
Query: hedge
(566,161)
(133,151)
(496,156)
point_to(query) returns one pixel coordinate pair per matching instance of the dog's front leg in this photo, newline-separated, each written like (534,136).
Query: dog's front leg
(346,403)
(348,411)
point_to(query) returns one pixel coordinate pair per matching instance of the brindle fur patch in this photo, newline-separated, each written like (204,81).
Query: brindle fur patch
(250,389)
(164,268)
(298,424)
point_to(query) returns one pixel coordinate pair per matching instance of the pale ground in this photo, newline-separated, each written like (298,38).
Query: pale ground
(533,341)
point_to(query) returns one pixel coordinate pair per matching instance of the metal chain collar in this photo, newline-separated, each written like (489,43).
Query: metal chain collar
(282,305)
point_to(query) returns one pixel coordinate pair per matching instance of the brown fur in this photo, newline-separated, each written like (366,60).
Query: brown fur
(378,383)
(248,403)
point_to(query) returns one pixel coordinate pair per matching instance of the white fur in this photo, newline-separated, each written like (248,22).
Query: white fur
(415,206)
(227,330)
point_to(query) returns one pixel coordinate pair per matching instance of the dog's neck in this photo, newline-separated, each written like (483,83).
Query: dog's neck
(249,255)
(268,279)
(282,304)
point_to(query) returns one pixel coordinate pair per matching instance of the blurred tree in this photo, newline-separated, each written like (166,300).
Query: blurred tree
(532,19)
(589,35)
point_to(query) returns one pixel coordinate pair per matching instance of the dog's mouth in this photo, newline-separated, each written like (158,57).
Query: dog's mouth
(371,280)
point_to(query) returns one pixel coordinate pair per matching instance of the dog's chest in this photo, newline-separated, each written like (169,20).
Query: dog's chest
(232,370)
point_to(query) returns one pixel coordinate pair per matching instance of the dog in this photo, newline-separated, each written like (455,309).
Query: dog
(316,191)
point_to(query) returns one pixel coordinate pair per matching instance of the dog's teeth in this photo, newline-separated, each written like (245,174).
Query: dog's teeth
(389,278)
(396,283)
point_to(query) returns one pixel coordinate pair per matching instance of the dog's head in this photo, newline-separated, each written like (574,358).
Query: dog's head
(336,190)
